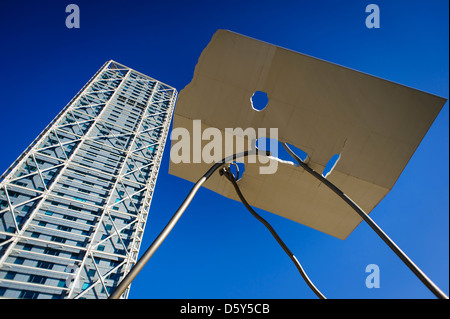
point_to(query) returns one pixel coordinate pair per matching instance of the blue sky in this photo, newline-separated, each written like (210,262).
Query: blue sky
(218,250)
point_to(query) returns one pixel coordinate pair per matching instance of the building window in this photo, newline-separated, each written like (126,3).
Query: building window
(107,288)
(10,275)
(64,228)
(74,208)
(75,256)
(44,265)
(51,251)
(58,239)
(37,279)
(26,294)
(26,208)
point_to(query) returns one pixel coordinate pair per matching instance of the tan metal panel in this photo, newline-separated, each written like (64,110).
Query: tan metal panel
(319,107)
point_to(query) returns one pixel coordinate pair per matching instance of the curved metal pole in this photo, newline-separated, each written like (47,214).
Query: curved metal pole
(227,173)
(416,270)
(162,236)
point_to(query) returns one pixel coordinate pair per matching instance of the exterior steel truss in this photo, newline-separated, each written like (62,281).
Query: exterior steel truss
(73,206)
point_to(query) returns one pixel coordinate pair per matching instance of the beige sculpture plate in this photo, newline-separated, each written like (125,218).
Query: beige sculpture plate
(322,108)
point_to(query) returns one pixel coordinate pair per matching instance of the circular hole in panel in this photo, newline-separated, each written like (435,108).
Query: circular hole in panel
(259,100)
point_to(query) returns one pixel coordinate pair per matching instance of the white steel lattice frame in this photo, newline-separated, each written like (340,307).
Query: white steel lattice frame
(120,118)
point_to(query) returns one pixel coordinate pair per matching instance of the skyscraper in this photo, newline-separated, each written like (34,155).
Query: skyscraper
(73,206)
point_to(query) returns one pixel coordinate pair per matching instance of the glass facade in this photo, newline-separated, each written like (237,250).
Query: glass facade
(73,206)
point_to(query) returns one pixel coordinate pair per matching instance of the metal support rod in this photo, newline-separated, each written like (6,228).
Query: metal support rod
(165,232)
(227,173)
(413,267)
